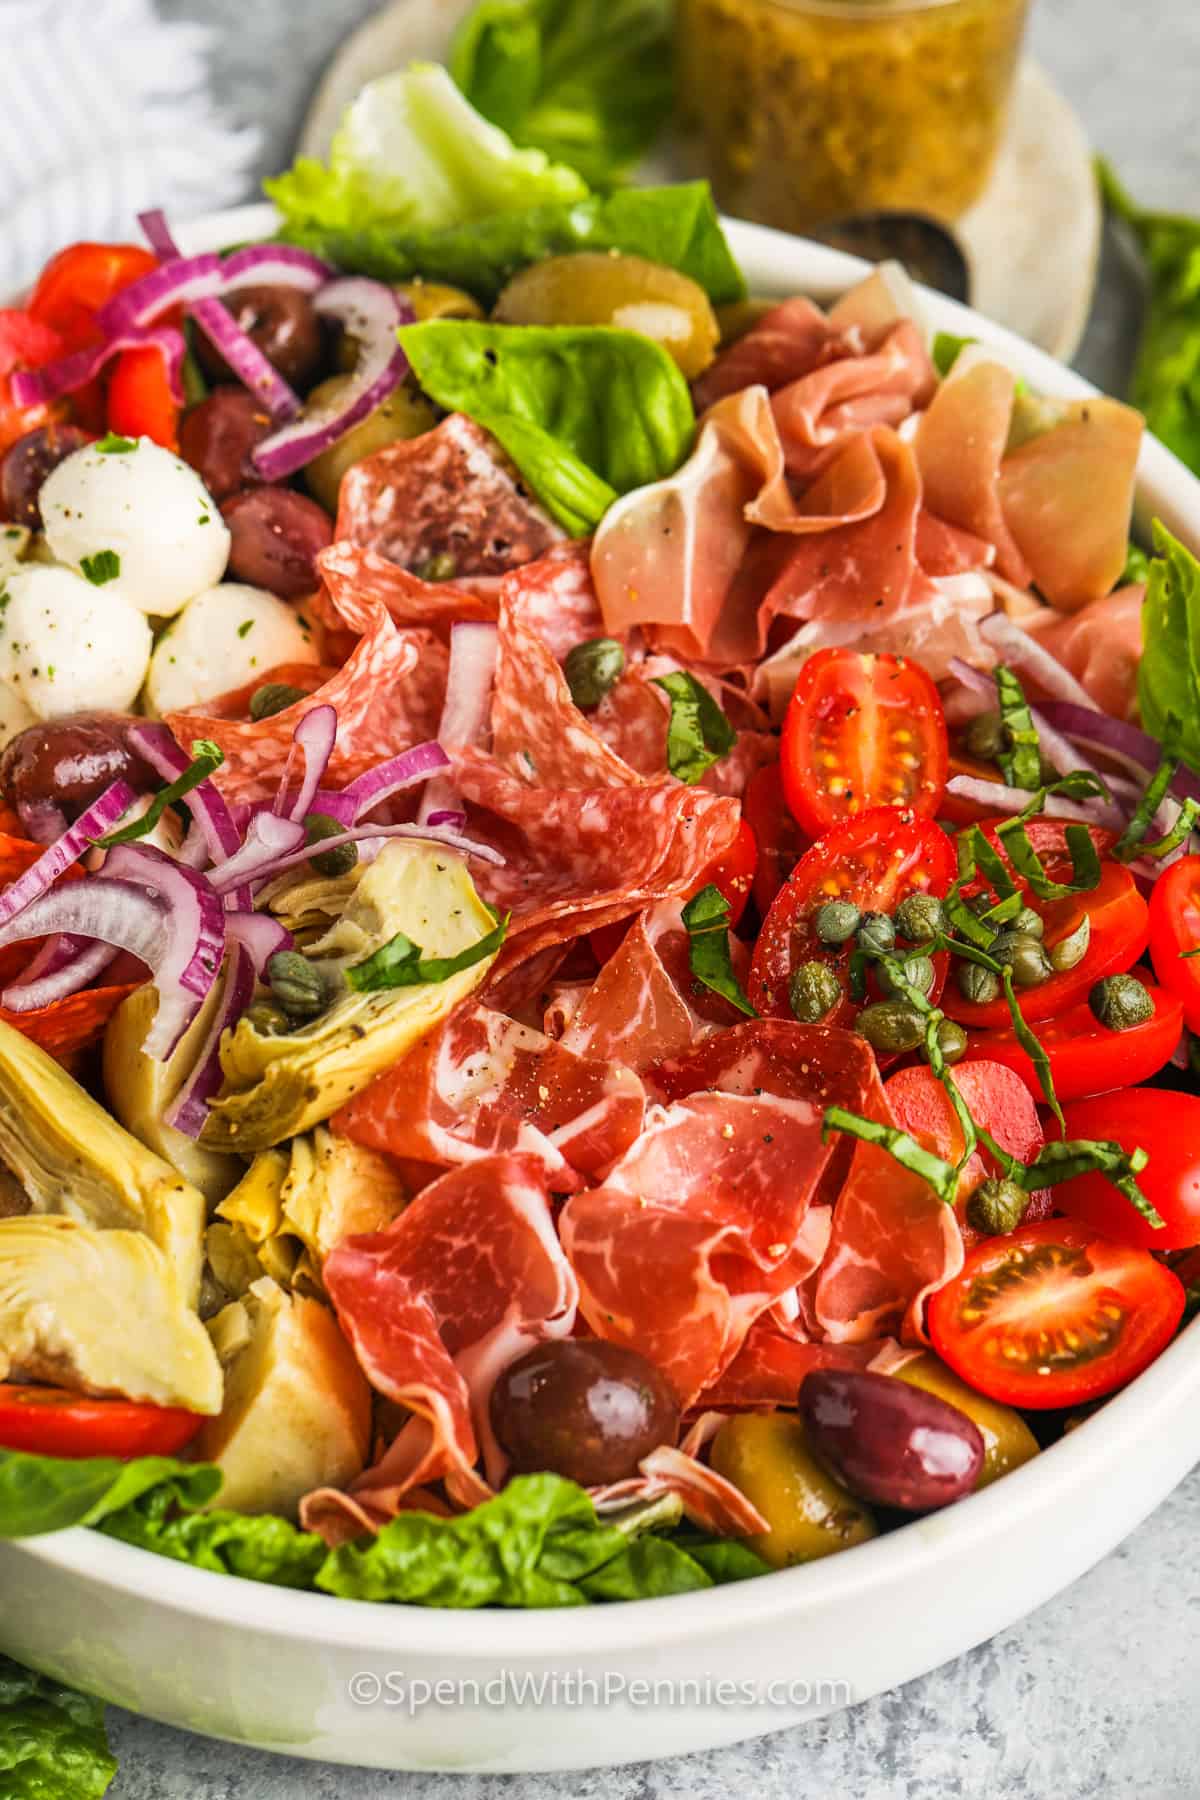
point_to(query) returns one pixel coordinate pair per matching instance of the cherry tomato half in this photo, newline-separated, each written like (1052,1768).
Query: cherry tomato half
(76,283)
(732,874)
(140,402)
(1119,924)
(1085,1056)
(1174,930)
(1167,1126)
(1052,1315)
(50,1421)
(25,343)
(780,843)
(861,730)
(876,860)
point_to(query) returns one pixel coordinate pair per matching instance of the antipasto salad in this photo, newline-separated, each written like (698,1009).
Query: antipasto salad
(597,894)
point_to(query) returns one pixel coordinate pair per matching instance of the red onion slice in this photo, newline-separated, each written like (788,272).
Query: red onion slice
(450,817)
(65,965)
(394,776)
(466,709)
(315,735)
(355,834)
(1003,799)
(268,837)
(1119,738)
(187,965)
(38,387)
(41,820)
(1024,652)
(157,745)
(371,313)
(190,278)
(189,1109)
(259,934)
(99,817)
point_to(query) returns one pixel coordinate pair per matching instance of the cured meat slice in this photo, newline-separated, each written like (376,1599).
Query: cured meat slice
(1101,645)
(452,494)
(436,1307)
(960,445)
(388,696)
(771,1364)
(355,577)
(823,409)
(785,343)
(483,1084)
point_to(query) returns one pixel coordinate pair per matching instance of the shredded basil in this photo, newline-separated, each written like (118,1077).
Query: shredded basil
(399,963)
(902,1148)
(1033,1048)
(706,917)
(103,567)
(1181,829)
(206,756)
(112,444)
(1080,784)
(1085,860)
(699,734)
(1021,762)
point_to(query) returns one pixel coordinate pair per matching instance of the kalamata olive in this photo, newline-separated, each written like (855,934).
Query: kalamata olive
(277,535)
(1007,1439)
(218,435)
(67,763)
(889,1443)
(26,465)
(808,1513)
(284,325)
(584,1409)
(590,287)
(404,414)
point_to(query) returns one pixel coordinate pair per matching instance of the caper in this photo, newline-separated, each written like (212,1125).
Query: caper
(920,918)
(837,921)
(978,985)
(1023,955)
(996,1206)
(318,826)
(592,668)
(813,990)
(267,1019)
(891,1026)
(986,737)
(876,934)
(296,984)
(1121,1002)
(273,697)
(1029,924)
(917,971)
(952,1040)
(1070,951)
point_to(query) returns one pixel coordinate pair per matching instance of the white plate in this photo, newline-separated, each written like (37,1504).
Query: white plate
(1032,239)
(331,1679)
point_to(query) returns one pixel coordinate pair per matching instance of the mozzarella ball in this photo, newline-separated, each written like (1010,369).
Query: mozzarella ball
(14,714)
(223,639)
(67,646)
(149,510)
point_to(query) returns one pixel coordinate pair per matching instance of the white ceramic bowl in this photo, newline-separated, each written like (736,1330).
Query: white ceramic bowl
(338,1680)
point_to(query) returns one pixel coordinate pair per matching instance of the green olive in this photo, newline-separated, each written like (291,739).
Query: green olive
(918,971)
(594,287)
(977,984)
(837,921)
(809,1514)
(1121,1002)
(891,1026)
(920,918)
(986,737)
(813,991)
(876,934)
(1007,1439)
(996,1206)
(404,414)
(952,1041)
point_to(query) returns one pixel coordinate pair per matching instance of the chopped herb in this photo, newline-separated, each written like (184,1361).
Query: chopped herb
(905,1150)
(1021,761)
(206,756)
(1032,1045)
(699,734)
(1085,860)
(706,917)
(114,445)
(104,566)
(400,963)
(246,625)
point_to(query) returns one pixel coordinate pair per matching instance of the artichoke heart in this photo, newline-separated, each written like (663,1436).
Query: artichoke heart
(279,1086)
(101,1312)
(70,1156)
(297,1412)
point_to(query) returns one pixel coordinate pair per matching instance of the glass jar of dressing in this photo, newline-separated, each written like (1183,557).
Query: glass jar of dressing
(815,109)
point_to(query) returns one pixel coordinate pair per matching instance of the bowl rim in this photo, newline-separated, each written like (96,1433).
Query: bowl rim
(1167,489)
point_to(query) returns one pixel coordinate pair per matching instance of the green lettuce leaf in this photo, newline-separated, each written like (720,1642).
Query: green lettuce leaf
(587,81)
(586,399)
(411,154)
(1169,672)
(677,226)
(258,1547)
(53,1744)
(51,1493)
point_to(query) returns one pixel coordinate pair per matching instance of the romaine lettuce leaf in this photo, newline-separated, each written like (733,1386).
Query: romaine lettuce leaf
(588,81)
(1169,672)
(412,154)
(677,226)
(593,399)
(52,1493)
(53,1744)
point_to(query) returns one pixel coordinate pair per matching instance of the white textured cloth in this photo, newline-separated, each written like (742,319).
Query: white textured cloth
(105,109)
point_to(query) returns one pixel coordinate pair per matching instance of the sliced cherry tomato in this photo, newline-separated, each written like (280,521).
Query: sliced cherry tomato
(140,402)
(780,843)
(1167,1126)
(50,1421)
(997,1100)
(25,343)
(1052,1315)
(1085,1056)
(76,283)
(1119,924)
(862,730)
(876,860)
(732,874)
(1174,930)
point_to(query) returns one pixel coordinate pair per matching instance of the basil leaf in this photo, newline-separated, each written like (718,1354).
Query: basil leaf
(1080,784)
(677,226)
(1063,1160)
(400,964)
(53,1745)
(1128,845)
(905,1150)
(611,405)
(1169,672)
(1033,1048)
(1021,762)
(1183,827)
(978,856)
(206,756)
(706,917)
(698,734)
(1085,860)
(589,82)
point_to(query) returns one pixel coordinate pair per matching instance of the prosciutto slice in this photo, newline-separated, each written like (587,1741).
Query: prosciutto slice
(468,1279)
(771,1364)
(1101,646)
(960,445)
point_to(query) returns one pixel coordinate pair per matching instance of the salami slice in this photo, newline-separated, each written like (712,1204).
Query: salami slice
(450,494)
(356,578)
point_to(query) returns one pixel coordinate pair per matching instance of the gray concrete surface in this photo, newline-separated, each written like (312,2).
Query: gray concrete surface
(1094,1696)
